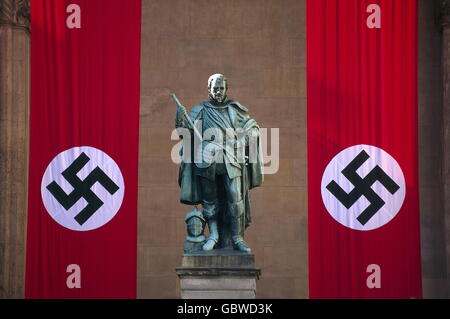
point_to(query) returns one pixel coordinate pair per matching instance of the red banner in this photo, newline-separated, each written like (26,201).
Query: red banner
(84,126)
(364,237)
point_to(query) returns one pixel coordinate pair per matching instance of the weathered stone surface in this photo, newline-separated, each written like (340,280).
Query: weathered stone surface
(280,287)
(218,263)
(285,82)
(218,274)
(434,75)
(14,96)
(262,50)
(218,283)
(12,270)
(154,260)
(158,287)
(446,140)
(218,294)
(15,13)
(443,12)
(207,272)
(218,258)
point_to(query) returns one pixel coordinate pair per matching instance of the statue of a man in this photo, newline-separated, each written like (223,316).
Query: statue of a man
(220,181)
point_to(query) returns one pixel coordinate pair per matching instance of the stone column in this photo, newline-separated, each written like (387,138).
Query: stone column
(445,23)
(14,105)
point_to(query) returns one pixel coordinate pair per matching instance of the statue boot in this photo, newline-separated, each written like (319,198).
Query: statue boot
(209,212)
(237,226)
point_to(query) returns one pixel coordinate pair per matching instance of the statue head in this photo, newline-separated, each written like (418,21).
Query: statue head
(217,87)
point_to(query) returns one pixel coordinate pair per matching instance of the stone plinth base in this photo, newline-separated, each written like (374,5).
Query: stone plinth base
(218,274)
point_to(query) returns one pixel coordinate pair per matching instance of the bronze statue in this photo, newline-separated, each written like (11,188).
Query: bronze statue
(221,167)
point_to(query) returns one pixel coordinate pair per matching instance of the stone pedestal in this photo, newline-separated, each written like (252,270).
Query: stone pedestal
(218,274)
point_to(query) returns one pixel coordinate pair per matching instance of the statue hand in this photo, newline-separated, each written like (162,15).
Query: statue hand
(181,110)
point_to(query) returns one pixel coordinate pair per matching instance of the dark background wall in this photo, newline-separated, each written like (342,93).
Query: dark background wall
(431,157)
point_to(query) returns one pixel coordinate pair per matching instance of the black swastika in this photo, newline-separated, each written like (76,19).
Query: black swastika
(363,187)
(82,188)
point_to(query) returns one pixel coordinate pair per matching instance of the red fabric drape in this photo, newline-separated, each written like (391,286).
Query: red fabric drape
(362,90)
(84,93)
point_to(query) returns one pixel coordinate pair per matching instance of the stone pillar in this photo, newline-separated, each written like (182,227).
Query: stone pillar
(14,102)
(218,274)
(445,23)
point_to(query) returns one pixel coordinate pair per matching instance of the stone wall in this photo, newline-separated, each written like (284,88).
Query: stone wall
(444,10)
(260,46)
(430,152)
(14,97)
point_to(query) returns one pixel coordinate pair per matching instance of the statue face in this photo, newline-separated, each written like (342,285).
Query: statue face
(218,90)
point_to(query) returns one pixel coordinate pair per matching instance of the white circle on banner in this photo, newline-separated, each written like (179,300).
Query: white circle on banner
(90,192)
(363,187)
